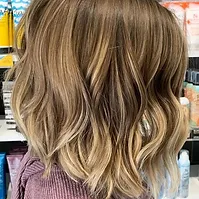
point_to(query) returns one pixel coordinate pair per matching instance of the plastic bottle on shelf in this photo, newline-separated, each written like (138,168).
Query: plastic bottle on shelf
(185,103)
(195,100)
(186,108)
(184,167)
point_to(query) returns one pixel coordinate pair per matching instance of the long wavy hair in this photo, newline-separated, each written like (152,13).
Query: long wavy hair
(97,92)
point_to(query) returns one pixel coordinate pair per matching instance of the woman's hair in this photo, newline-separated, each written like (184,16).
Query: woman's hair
(97,92)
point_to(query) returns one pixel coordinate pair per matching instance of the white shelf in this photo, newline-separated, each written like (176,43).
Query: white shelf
(191,140)
(5,67)
(194,188)
(9,135)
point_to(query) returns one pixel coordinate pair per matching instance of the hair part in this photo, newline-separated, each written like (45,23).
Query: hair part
(97,91)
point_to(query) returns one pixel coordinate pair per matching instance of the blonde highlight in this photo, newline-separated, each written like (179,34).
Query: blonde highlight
(97,91)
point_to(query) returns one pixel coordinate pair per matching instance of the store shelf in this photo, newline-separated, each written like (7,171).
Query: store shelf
(192,140)
(193,54)
(9,135)
(193,188)
(12,135)
(5,67)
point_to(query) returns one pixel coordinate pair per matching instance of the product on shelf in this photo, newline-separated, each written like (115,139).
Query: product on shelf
(184,167)
(192,27)
(19,7)
(18,149)
(10,24)
(13,165)
(4,27)
(2,176)
(14,159)
(188,14)
(183,190)
(186,107)
(6,33)
(179,9)
(7,91)
(191,91)
(188,85)
(11,12)
(195,133)
(6,60)
(195,100)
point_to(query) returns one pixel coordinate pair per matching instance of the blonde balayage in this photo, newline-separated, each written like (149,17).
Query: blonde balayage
(97,91)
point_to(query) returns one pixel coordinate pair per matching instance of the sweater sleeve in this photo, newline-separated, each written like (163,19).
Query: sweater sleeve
(30,183)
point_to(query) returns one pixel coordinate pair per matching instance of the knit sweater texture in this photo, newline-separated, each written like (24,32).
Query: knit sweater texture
(30,183)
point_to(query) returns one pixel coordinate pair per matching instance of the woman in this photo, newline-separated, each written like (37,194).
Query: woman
(97,96)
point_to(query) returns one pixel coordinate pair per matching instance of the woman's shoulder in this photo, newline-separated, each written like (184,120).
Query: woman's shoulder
(30,182)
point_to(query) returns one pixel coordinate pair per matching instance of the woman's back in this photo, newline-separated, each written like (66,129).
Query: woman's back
(97,92)
(31,183)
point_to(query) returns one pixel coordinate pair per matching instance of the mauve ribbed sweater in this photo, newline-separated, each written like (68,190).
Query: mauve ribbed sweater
(31,185)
